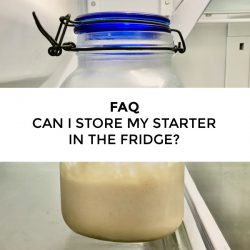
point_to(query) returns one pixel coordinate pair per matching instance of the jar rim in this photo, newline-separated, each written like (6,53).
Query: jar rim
(121,21)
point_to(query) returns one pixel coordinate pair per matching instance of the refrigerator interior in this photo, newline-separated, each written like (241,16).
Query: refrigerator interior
(216,47)
(213,59)
(225,187)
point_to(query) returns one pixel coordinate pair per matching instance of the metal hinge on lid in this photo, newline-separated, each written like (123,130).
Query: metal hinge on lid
(58,46)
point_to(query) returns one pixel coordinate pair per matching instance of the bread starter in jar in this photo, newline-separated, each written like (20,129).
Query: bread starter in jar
(126,202)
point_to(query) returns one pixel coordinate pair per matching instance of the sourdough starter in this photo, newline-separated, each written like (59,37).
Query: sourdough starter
(126,202)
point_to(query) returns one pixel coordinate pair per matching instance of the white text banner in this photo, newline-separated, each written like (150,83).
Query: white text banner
(125,125)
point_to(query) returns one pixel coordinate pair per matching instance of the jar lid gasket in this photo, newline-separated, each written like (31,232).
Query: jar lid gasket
(121,21)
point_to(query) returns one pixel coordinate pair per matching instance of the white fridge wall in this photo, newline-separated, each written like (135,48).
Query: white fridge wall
(225,6)
(151,6)
(204,63)
(23,51)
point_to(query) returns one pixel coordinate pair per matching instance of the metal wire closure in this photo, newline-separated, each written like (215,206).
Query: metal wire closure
(58,46)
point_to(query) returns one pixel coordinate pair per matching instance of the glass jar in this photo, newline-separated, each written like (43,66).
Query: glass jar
(124,202)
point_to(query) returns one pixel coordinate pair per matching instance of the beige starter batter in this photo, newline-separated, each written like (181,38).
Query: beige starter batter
(126,202)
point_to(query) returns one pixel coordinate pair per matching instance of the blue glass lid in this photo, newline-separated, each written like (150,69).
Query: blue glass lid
(120,21)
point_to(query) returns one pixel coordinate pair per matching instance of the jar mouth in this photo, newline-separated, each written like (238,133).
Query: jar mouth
(130,40)
(121,22)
